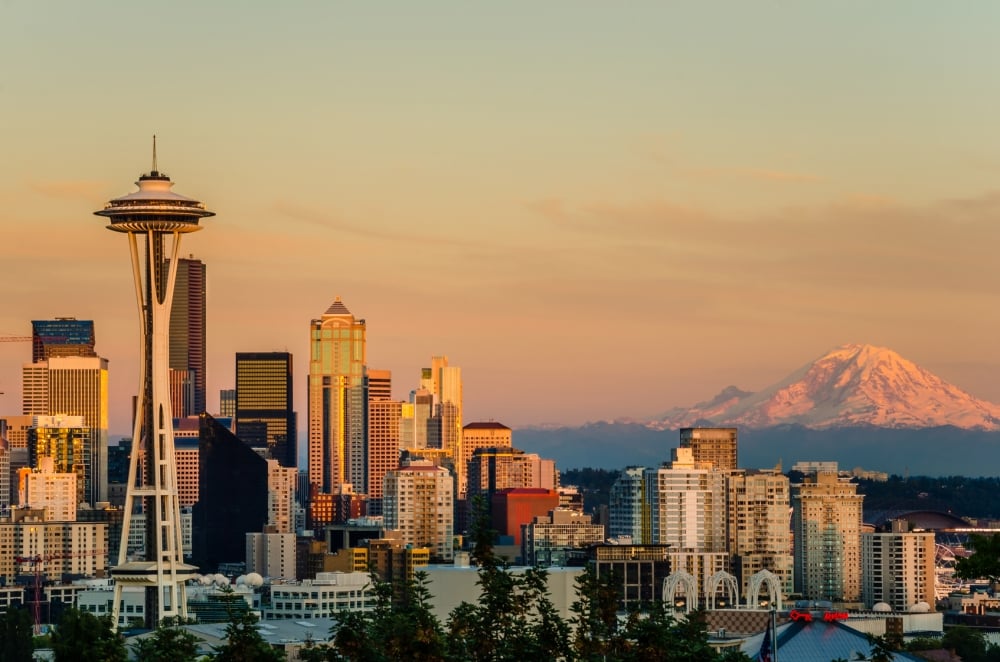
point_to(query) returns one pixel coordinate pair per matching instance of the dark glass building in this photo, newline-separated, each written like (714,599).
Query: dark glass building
(187,339)
(63,336)
(264,416)
(232,496)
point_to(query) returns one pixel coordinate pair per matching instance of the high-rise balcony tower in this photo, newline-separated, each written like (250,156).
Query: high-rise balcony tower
(149,217)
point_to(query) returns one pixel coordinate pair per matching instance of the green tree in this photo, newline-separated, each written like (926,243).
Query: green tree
(16,633)
(598,633)
(883,648)
(984,561)
(401,626)
(514,619)
(923,644)
(82,637)
(243,641)
(169,643)
(969,644)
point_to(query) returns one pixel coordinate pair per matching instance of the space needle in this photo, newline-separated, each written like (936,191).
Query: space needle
(149,217)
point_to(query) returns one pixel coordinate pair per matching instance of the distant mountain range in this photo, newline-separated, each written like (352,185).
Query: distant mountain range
(852,385)
(858,404)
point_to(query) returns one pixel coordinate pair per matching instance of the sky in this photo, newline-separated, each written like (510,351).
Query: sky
(598,210)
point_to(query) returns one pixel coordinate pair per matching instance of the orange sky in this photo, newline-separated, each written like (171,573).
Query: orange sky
(596,212)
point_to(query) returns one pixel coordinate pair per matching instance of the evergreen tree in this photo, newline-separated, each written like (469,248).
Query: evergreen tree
(243,642)
(598,633)
(82,637)
(514,619)
(401,626)
(16,642)
(168,643)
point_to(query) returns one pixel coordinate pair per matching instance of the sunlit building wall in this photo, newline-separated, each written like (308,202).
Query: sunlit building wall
(74,386)
(419,502)
(264,398)
(337,400)
(66,441)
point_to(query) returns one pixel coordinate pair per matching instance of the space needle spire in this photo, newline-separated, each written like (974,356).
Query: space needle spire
(154,218)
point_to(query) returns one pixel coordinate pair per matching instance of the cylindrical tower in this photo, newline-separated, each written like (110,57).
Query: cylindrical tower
(149,217)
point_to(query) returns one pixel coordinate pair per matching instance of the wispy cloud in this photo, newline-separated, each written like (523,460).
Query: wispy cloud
(333,221)
(754,174)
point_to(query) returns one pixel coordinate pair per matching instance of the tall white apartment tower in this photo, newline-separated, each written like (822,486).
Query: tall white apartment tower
(687,510)
(154,218)
(826,524)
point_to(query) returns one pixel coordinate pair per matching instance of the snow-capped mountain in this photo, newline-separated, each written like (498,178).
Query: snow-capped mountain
(850,386)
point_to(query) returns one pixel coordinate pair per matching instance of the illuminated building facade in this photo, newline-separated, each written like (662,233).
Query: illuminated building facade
(897,567)
(74,386)
(384,418)
(264,410)
(187,336)
(63,336)
(419,502)
(826,524)
(715,445)
(338,400)
(757,505)
(66,441)
(479,434)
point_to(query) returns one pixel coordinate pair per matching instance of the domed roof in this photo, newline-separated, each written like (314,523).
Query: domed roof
(921,607)
(881,606)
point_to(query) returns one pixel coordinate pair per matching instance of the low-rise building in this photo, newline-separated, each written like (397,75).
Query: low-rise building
(329,593)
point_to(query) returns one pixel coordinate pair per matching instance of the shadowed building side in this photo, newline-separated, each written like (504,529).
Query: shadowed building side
(232,496)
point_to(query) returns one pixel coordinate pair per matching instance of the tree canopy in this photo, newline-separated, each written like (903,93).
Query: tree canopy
(82,636)
(984,563)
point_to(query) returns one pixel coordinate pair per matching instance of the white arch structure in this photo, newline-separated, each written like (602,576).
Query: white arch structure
(773,587)
(690,585)
(728,582)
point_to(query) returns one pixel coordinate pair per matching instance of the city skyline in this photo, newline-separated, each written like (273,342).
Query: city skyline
(702,196)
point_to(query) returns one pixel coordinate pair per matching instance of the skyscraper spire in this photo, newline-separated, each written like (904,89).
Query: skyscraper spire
(154,170)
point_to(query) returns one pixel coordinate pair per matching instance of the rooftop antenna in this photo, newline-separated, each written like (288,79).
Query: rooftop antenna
(154,171)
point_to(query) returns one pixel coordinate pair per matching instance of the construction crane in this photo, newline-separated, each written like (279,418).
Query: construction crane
(36,562)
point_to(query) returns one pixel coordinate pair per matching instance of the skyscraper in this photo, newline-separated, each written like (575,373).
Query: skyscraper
(187,337)
(232,496)
(480,434)
(444,383)
(264,415)
(74,386)
(384,418)
(153,214)
(63,336)
(338,400)
(826,523)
